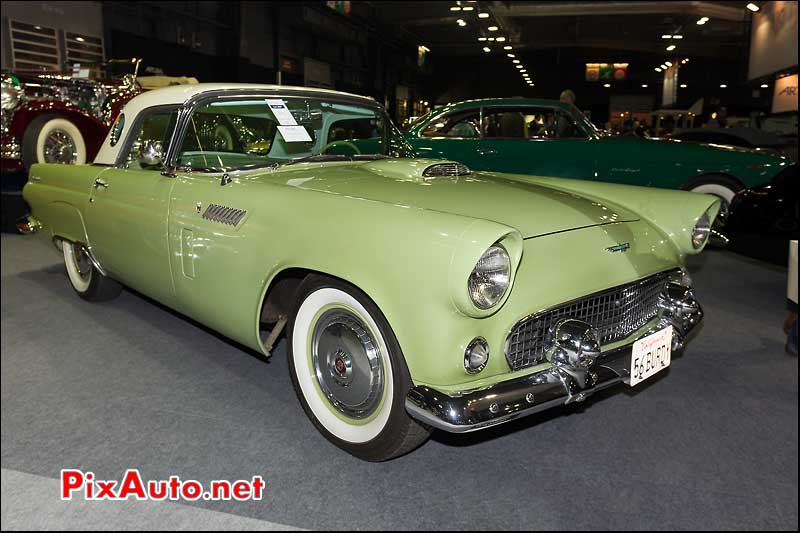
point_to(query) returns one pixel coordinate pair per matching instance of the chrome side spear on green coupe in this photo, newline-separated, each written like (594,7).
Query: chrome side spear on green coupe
(415,293)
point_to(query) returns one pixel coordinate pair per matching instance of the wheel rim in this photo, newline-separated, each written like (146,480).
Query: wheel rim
(83,264)
(59,147)
(347,363)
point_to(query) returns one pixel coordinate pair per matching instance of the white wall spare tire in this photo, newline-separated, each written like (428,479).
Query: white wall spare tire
(349,373)
(52,139)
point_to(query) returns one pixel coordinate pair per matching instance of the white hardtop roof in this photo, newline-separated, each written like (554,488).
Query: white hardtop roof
(178,94)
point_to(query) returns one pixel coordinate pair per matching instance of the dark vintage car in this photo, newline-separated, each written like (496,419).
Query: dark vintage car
(53,117)
(764,219)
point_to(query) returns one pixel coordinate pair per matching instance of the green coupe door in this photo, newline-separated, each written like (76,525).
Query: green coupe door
(126,218)
(535,140)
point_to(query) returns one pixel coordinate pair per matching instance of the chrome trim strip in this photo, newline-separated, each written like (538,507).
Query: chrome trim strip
(476,409)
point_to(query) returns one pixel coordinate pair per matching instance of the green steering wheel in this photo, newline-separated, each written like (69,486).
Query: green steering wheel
(336,144)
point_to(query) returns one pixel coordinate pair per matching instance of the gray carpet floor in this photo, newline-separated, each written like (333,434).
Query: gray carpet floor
(104,387)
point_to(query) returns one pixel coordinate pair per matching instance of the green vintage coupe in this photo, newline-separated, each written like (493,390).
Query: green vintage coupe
(415,293)
(551,138)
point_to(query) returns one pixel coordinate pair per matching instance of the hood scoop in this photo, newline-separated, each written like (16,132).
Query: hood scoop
(446,170)
(418,170)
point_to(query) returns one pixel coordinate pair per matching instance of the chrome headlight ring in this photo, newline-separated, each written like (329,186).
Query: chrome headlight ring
(701,231)
(490,278)
(10,94)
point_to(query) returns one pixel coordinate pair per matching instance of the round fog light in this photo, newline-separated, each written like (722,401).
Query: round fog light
(476,355)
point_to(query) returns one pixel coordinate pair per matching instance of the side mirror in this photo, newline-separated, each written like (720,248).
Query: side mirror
(151,154)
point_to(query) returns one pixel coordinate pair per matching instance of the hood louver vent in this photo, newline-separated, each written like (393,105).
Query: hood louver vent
(224,215)
(446,170)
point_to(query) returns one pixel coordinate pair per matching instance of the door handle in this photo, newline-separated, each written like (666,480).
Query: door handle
(490,151)
(100,183)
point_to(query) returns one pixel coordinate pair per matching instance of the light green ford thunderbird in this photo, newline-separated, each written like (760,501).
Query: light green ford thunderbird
(415,294)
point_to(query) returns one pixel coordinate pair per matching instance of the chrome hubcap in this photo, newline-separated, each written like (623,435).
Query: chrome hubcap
(347,363)
(82,262)
(59,147)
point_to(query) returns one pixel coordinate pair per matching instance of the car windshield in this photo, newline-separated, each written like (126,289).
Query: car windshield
(580,118)
(238,134)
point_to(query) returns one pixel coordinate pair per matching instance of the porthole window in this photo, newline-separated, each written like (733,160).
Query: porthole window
(116,130)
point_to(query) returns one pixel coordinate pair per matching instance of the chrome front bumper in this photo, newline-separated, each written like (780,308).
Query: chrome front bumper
(563,383)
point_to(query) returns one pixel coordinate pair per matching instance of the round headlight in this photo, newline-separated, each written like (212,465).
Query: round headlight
(701,231)
(489,279)
(9,95)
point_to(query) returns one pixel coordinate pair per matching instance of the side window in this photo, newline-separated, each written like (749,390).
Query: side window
(529,122)
(154,128)
(464,124)
(566,127)
(355,128)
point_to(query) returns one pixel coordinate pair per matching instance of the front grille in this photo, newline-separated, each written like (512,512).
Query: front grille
(615,313)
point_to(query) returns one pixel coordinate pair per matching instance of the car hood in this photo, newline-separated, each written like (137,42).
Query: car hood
(508,199)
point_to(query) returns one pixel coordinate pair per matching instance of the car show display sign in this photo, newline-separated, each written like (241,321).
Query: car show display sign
(785,96)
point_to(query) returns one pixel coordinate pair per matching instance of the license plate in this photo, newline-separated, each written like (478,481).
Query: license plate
(651,355)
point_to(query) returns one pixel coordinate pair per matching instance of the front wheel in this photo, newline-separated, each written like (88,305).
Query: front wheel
(86,280)
(349,372)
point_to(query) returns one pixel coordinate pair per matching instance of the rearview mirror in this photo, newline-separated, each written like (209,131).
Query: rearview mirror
(152,154)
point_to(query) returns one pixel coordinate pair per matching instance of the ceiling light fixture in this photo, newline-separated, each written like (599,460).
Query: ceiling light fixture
(683,85)
(524,71)
(493,28)
(702,21)
(483,15)
(515,61)
(501,39)
(508,47)
(658,69)
(764,86)
(644,86)
(490,38)
(671,47)
(455,8)
(461,22)
(666,36)
(481,39)
(487,49)
(723,86)
(511,55)
(752,7)
(606,85)
(667,63)
(467,8)
(677,37)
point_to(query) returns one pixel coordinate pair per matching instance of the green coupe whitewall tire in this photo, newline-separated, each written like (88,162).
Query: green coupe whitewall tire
(349,373)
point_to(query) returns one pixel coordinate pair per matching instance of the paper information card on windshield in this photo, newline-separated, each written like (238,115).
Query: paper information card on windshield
(294,134)
(281,112)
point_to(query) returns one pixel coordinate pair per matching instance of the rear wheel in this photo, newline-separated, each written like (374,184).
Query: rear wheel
(86,280)
(349,373)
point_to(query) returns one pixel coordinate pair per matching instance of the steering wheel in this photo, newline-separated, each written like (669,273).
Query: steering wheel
(336,144)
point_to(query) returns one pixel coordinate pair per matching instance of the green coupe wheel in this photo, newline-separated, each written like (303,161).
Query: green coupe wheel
(349,373)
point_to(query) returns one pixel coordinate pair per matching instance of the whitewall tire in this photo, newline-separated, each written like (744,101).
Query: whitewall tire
(86,280)
(349,373)
(52,139)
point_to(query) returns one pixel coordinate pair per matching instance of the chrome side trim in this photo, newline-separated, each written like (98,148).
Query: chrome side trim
(476,409)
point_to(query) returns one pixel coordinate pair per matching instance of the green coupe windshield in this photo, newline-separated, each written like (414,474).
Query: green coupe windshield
(237,134)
